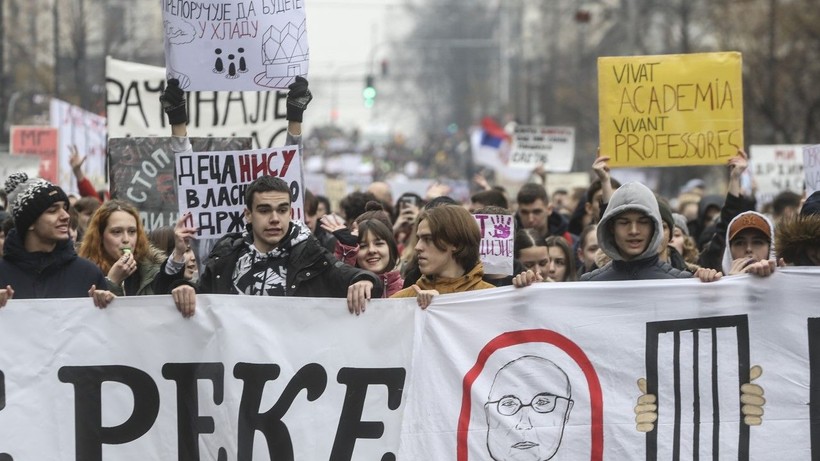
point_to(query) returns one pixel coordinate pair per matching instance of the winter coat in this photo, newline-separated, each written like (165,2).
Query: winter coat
(470,281)
(311,270)
(56,274)
(796,237)
(632,196)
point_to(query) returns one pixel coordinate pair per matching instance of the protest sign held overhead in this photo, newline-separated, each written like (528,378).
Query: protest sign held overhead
(211,185)
(142,172)
(251,45)
(497,242)
(132,104)
(85,130)
(670,110)
(811,168)
(553,147)
(39,142)
(776,168)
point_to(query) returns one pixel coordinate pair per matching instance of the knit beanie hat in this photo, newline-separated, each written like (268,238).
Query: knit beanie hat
(680,223)
(29,198)
(666,215)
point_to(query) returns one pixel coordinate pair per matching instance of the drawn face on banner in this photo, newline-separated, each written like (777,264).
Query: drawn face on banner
(269,217)
(527,409)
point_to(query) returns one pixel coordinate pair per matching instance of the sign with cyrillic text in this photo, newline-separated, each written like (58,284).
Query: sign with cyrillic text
(235,45)
(553,147)
(40,142)
(811,168)
(133,108)
(497,242)
(211,185)
(670,110)
(551,371)
(776,169)
(142,172)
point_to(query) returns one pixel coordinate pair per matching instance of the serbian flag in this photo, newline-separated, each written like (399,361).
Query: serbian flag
(491,144)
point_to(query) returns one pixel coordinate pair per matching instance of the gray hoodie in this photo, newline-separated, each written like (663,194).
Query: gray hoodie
(633,196)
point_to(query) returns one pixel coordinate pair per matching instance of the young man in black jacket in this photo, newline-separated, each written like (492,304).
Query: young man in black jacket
(274,256)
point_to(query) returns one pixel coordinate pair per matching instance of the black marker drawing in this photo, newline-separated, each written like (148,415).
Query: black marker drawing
(242,67)
(528,406)
(814,385)
(284,55)
(219,66)
(231,67)
(179,32)
(708,387)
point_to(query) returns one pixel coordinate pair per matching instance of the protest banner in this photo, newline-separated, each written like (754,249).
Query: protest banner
(11,164)
(549,371)
(132,104)
(811,168)
(553,147)
(497,242)
(250,45)
(40,142)
(776,168)
(137,381)
(142,172)
(86,130)
(211,185)
(670,110)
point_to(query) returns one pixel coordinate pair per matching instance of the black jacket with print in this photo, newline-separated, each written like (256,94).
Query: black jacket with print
(312,271)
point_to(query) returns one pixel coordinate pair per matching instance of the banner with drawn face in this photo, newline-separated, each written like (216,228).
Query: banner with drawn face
(236,44)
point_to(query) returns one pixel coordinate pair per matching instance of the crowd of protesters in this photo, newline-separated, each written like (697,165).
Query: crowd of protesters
(421,246)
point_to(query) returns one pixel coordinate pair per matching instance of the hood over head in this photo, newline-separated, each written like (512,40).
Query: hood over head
(632,196)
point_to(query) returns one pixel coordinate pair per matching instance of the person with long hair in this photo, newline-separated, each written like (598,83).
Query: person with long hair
(531,251)
(117,242)
(562,264)
(370,245)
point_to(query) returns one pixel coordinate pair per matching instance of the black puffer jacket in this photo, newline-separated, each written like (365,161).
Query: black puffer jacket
(312,271)
(57,274)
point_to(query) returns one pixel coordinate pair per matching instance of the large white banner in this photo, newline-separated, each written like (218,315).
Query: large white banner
(546,372)
(257,378)
(235,44)
(132,104)
(86,130)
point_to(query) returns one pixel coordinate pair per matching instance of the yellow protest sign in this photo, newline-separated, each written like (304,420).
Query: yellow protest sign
(670,110)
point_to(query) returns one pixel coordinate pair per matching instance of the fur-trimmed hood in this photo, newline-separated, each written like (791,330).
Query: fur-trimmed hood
(795,237)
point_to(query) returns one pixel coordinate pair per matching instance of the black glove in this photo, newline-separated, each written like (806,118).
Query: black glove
(346,237)
(173,103)
(298,98)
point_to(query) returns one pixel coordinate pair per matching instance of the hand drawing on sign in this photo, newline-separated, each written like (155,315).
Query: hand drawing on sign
(501,226)
(284,55)
(529,404)
(699,384)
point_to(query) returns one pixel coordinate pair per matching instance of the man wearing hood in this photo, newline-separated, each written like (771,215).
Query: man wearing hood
(631,233)
(798,239)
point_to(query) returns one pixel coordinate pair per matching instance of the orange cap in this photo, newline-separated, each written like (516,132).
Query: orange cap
(750,221)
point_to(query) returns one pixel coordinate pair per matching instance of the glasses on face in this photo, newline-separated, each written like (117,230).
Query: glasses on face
(541,403)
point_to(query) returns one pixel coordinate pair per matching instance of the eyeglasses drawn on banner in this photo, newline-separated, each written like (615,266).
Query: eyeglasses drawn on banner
(211,185)
(552,147)
(497,242)
(531,376)
(236,44)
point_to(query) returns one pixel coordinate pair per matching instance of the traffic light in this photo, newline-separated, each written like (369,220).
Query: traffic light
(369,92)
